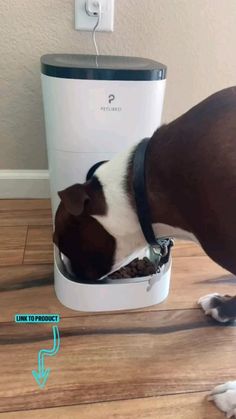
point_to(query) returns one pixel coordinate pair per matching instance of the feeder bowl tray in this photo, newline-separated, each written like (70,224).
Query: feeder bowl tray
(112,294)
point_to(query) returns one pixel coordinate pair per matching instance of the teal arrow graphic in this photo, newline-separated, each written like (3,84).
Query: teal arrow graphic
(41,375)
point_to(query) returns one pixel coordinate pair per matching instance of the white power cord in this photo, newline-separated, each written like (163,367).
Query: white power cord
(95,28)
(94,9)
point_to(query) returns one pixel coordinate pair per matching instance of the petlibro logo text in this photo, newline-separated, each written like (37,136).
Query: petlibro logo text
(111,98)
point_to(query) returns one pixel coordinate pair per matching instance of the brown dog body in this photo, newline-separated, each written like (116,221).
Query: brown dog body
(191,175)
(191,187)
(191,184)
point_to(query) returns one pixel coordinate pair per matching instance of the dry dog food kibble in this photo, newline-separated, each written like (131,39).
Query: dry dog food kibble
(136,268)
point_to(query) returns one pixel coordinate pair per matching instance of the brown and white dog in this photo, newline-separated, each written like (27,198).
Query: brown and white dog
(191,187)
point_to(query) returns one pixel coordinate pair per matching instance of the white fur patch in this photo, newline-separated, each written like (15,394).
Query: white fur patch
(112,175)
(121,220)
(224,396)
(206,304)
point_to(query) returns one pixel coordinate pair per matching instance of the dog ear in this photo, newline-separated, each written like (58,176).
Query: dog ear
(74,198)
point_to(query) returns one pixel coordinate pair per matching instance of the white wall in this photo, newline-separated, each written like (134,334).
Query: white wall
(195,38)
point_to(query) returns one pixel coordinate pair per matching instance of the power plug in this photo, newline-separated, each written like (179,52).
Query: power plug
(92,7)
(87,10)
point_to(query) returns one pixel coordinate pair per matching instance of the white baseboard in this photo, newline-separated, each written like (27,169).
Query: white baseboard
(24,184)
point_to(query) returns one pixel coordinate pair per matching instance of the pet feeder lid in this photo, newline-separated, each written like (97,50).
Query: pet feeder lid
(102,67)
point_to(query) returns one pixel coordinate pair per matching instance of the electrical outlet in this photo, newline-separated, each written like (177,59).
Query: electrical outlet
(86,15)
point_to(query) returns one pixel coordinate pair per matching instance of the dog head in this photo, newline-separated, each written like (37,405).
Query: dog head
(96,226)
(78,235)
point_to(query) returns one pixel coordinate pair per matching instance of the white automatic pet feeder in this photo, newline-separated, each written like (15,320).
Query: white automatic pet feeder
(95,107)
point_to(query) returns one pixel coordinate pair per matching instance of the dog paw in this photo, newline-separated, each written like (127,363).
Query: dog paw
(224,397)
(209,305)
(221,307)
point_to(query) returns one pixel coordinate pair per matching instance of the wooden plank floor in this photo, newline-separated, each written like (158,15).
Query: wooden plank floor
(151,363)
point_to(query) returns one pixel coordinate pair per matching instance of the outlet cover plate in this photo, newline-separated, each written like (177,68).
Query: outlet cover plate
(84,22)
